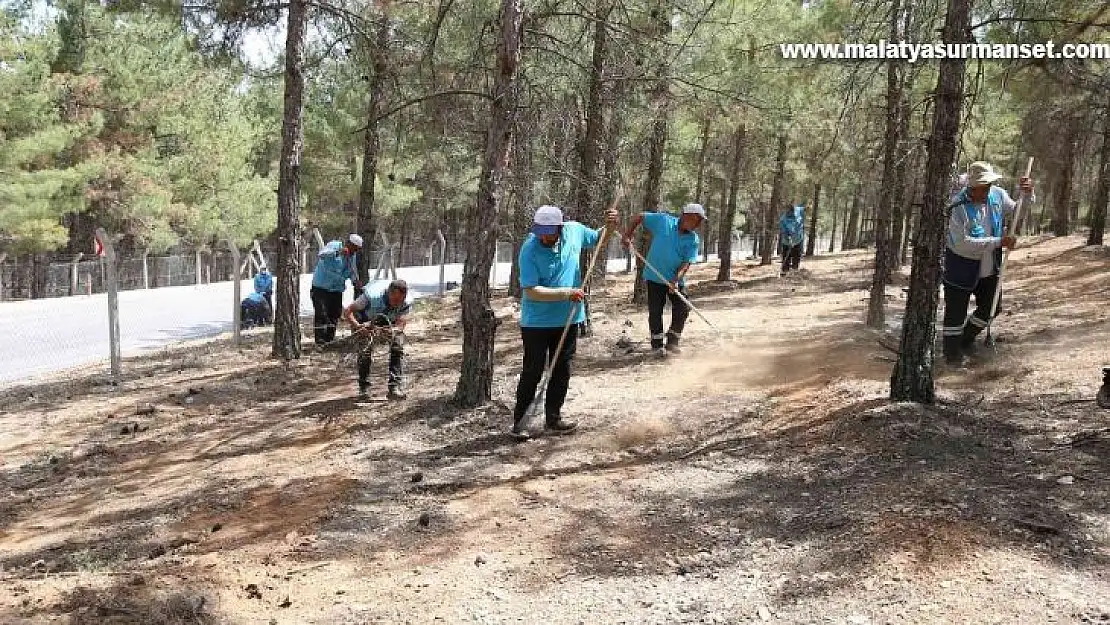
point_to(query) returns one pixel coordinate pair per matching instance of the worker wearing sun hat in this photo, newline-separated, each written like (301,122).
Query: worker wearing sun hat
(550,282)
(973,255)
(335,264)
(674,247)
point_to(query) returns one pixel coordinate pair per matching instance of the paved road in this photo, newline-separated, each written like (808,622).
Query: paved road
(45,336)
(39,337)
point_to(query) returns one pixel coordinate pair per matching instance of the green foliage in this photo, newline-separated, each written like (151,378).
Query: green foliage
(136,129)
(151,128)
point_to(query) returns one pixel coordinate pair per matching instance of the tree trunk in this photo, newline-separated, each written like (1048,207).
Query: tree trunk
(912,379)
(832,234)
(912,210)
(1062,201)
(867,216)
(699,187)
(653,191)
(660,98)
(901,192)
(776,200)
(811,244)
(37,286)
(851,230)
(587,186)
(722,231)
(1102,191)
(884,224)
(724,234)
(757,233)
(522,206)
(479,322)
(365,224)
(287,271)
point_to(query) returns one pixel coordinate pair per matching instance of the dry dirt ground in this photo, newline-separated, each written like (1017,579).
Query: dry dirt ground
(761,476)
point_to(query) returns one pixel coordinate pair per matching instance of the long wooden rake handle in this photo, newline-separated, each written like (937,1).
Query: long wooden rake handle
(675,287)
(602,240)
(1006,252)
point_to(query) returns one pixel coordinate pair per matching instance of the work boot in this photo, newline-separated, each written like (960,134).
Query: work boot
(967,340)
(672,342)
(953,351)
(396,393)
(559,425)
(518,430)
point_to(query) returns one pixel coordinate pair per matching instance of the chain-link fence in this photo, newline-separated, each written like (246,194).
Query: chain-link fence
(165,299)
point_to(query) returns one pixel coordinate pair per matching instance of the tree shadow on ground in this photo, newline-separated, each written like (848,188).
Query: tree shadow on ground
(128,602)
(937,482)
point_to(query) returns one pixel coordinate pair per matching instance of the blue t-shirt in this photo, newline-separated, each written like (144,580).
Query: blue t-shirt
(669,247)
(375,301)
(554,267)
(264,282)
(792,227)
(333,268)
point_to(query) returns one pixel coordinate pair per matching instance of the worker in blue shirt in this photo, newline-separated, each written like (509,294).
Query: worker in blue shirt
(383,314)
(674,247)
(264,284)
(336,264)
(255,311)
(550,281)
(792,233)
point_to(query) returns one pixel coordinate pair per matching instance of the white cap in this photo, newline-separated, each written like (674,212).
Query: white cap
(694,209)
(547,220)
(356,239)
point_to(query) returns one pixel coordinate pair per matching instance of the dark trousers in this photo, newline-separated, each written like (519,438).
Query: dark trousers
(252,314)
(327,308)
(539,347)
(658,294)
(791,257)
(396,363)
(959,329)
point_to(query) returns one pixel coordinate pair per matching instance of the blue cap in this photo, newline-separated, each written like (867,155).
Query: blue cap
(541,229)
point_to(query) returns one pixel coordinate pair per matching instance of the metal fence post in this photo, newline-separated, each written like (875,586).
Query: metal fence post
(3,257)
(257,249)
(382,258)
(74,282)
(236,289)
(113,300)
(493,266)
(146,269)
(442,261)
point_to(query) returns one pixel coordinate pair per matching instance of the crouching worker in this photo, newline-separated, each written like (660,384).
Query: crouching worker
(382,316)
(255,311)
(264,284)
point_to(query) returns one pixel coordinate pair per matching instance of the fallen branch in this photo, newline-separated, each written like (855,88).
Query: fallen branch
(1074,401)
(311,567)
